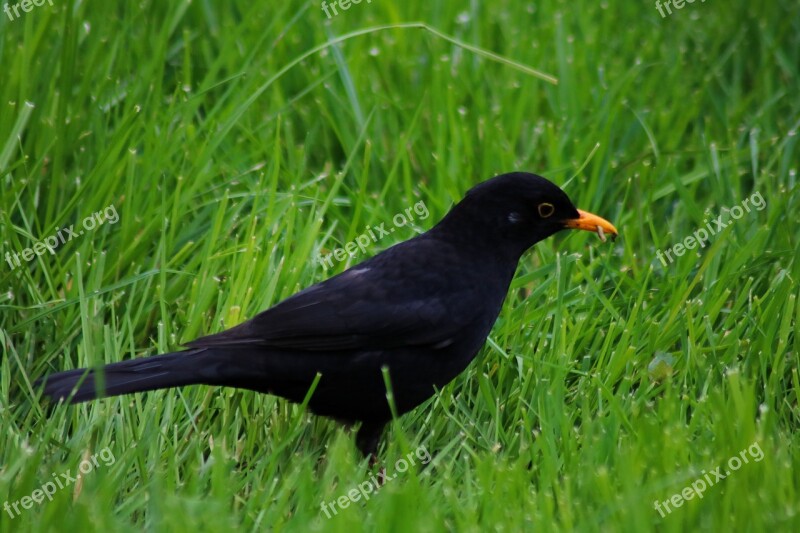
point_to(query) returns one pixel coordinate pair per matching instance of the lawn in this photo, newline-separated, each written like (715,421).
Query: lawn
(169,169)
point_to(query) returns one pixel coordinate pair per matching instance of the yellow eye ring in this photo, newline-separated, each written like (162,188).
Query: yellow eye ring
(546,210)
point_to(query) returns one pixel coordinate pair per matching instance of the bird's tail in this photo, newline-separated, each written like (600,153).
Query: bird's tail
(136,375)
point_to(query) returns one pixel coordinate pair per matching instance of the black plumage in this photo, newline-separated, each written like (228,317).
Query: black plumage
(421,309)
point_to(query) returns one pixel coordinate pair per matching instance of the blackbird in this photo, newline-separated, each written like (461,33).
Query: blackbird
(421,309)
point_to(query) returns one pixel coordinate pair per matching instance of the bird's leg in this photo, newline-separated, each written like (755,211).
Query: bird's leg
(374,460)
(367,439)
(382,476)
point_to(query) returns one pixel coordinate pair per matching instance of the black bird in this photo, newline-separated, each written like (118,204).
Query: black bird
(422,309)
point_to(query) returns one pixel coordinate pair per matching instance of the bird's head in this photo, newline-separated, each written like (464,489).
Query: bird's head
(517,210)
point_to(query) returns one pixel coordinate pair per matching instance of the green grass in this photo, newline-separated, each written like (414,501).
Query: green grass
(234,154)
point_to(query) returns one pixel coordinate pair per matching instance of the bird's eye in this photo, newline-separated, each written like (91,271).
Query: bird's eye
(545,210)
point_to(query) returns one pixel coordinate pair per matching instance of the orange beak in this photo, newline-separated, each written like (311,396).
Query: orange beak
(589,222)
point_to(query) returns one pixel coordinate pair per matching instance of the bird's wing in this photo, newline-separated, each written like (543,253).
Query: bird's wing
(363,308)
